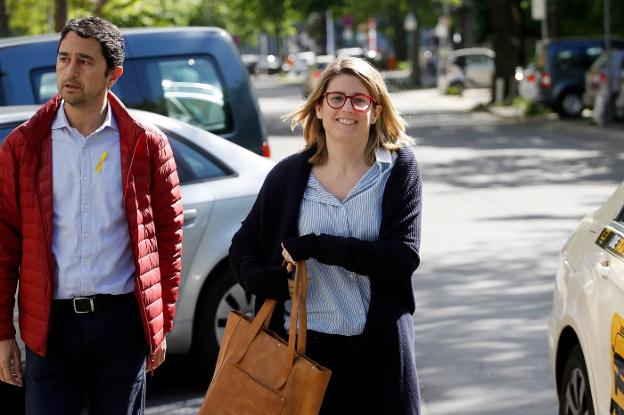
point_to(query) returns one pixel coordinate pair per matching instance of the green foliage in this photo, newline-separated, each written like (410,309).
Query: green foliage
(29,17)
(139,13)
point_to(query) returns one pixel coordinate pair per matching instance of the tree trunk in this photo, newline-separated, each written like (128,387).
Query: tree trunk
(4,20)
(99,5)
(505,24)
(557,18)
(60,14)
(415,43)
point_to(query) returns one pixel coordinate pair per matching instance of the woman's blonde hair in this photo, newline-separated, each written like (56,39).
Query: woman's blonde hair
(388,130)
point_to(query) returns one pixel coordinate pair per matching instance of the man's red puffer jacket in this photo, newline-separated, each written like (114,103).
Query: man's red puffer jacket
(153,209)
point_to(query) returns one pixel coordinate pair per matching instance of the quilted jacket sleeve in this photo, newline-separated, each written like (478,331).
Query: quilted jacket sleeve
(168,218)
(10,236)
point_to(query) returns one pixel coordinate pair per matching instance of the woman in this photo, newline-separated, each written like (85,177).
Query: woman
(350,205)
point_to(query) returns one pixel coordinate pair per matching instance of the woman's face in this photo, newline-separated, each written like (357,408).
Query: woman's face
(346,124)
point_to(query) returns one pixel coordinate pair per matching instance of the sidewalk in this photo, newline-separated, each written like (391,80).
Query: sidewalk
(191,407)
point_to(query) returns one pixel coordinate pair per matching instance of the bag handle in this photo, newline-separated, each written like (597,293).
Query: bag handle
(297,336)
(262,319)
(297,333)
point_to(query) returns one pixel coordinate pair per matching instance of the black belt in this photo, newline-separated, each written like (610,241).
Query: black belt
(93,303)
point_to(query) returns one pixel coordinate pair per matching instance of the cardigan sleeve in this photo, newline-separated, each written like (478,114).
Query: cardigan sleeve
(253,273)
(394,254)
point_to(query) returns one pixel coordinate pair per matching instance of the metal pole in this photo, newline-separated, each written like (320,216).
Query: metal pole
(545,21)
(331,42)
(607,30)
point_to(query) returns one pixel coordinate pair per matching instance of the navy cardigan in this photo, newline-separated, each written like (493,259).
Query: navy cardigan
(389,262)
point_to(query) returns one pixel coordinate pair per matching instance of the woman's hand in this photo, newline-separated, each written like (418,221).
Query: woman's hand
(288,261)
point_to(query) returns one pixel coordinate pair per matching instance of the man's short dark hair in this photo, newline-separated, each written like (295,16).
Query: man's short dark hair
(107,34)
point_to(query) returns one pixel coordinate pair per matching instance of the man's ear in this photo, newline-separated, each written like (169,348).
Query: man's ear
(114,75)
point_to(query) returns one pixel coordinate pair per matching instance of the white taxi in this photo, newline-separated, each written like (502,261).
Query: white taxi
(586,328)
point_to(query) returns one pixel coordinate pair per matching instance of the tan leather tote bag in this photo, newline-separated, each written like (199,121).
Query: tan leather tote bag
(259,373)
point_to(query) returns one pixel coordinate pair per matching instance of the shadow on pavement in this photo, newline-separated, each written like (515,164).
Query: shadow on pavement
(505,197)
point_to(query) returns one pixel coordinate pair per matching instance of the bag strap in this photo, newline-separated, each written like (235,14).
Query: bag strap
(262,319)
(299,317)
(297,333)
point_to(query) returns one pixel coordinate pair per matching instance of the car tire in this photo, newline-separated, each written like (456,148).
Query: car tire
(575,392)
(223,295)
(458,87)
(570,104)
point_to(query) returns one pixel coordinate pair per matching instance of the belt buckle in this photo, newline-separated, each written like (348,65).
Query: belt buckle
(83,305)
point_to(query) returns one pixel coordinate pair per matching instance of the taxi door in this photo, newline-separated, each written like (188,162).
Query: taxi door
(609,323)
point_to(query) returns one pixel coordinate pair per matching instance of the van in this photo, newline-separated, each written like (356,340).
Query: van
(194,74)
(562,64)
(467,68)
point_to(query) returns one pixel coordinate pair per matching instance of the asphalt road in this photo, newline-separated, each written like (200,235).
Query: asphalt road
(500,198)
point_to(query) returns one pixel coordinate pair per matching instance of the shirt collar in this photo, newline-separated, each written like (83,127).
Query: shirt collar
(61,121)
(383,156)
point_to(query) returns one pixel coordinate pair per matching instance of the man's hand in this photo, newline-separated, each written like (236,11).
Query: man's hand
(158,357)
(10,362)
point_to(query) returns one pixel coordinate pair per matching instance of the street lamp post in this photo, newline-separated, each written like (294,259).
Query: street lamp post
(607,29)
(410,24)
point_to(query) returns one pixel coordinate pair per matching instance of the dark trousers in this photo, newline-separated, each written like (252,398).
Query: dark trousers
(94,360)
(340,354)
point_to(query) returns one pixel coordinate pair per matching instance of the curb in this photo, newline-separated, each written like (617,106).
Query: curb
(614,130)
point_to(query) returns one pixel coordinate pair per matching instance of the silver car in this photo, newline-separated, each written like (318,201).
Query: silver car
(220,181)
(467,68)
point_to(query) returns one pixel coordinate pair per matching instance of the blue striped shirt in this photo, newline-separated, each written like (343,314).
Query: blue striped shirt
(338,299)
(90,236)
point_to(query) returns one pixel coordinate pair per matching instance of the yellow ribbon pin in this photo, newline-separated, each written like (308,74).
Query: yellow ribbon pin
(103,158)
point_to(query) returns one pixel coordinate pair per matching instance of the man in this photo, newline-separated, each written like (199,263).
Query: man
(91,226)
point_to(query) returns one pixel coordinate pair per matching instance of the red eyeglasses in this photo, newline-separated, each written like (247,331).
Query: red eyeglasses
(359,102)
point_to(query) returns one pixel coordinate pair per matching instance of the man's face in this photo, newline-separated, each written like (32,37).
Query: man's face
(81,71)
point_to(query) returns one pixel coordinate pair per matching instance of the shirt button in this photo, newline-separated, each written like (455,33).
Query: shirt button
(85,235)
(85,262)
(85,207)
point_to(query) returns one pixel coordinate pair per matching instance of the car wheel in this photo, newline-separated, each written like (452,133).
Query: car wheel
(570,104)
(456,88)
(575,393)
(222,296)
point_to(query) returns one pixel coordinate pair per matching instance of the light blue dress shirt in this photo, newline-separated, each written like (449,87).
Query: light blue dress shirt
(90,237)
(338,299)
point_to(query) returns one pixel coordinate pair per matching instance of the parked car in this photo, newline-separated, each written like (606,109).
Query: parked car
(562,64)
(220,181)
(298,63)
(313,74)
(586,326)
(157,60)
(596,76)
(371,56)
(528,86)
(619,102)
(467,68)
(268,65)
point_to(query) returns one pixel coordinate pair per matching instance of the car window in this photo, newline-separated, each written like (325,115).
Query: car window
(589,55)
(5,129)
(194,163)
(186,88)
(44,84)
(566,59)
(620,217)
(478,60)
